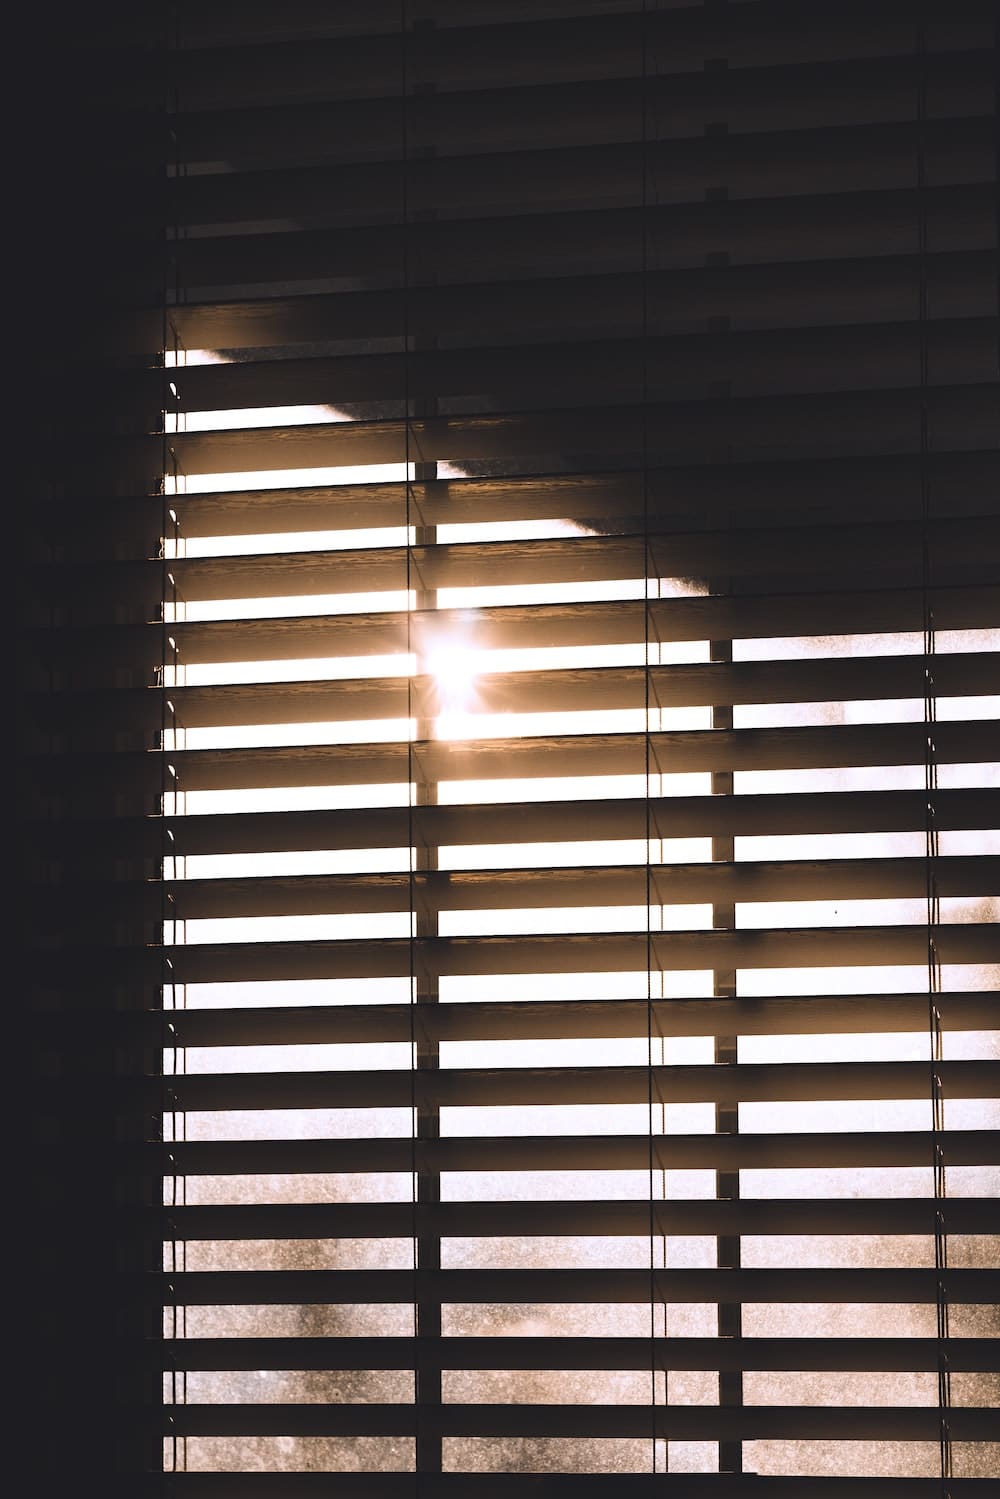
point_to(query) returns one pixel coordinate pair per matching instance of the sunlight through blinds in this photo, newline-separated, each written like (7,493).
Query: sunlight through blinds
(577,711)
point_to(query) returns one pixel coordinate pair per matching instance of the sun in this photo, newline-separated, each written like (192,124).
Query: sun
(453,665)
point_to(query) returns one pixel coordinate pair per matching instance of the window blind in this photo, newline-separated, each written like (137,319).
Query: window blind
(579,624)
(562,648)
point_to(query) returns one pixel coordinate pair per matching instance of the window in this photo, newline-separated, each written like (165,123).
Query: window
(570,881)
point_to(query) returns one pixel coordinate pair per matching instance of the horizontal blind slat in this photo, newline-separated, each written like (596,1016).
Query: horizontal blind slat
(491,1287)
(885,1354)
(837,423)
(543,887)
(677,817)
(828,745)
(582,1152)
(683,1422)
(507,1087)
(404,1220)
(521,1019)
